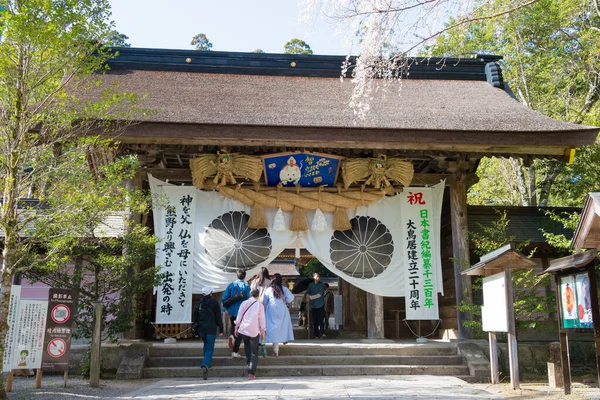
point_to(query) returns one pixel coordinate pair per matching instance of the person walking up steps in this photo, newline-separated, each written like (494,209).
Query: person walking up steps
(315,292)
(279,323)
(250,326)
(235,293)
(206,319)
(261,281)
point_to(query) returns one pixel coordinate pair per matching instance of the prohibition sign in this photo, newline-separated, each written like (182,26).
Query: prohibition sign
(57,347)
(60,314)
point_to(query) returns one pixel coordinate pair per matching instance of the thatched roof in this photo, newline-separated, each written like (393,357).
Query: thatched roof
(409,105)
(211,101)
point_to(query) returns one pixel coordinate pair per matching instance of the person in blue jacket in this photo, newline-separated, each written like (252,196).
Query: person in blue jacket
(238,291)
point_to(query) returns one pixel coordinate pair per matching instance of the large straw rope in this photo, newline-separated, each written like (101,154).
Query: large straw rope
(327,202)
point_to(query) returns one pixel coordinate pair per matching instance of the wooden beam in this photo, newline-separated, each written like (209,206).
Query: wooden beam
(526,143)
(185,175)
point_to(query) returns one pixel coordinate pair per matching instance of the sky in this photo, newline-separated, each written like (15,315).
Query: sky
(230,25)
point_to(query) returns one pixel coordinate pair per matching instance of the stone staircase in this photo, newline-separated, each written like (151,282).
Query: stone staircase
(328,357)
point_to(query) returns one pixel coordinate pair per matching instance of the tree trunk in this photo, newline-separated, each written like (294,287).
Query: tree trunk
(10,221)
(532,186)
(7,275)
(519,180)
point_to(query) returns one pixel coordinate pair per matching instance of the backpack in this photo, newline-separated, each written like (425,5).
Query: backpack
(197,316)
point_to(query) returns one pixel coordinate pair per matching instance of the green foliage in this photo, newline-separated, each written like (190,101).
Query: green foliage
(117,39)
(201,42)
(258,51)
(494,236)
(551,61)
(313,266)
(297,46)
(51,56)
(569,221)
(108,264)
(534,302)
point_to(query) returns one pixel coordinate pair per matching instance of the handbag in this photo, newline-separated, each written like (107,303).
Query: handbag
(239,296)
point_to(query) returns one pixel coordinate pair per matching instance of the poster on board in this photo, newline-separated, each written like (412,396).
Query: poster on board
(494,315)
(9,342)
(576,304)
(29,335)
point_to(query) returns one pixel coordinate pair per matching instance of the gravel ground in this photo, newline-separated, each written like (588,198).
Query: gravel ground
(77,388)
(579,391)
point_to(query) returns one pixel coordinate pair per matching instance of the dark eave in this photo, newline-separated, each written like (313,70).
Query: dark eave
(323,66)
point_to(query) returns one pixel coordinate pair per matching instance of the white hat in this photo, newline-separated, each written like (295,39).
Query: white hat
(207,290)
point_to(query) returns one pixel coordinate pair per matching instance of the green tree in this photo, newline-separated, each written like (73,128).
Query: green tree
(533,301)
(258,51)
(201,42)
(313,266)
(297,46)
(50,51)
(551,62)
(107,260)
(117,39)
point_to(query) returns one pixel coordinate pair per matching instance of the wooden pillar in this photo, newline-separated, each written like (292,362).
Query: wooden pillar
(564,341)
(460,248)
(354,302)
(96,345)
(513,353)
(374,316)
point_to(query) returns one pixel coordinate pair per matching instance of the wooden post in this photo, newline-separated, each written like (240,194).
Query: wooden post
(595,315)
(96,345)
(38,378)
(460,249)
(375,329)
(494,357)
(65,377)
(9,381)
(564,341)
(566,364)
(513,352)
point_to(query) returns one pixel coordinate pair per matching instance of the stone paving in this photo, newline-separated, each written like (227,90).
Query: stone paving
(358,387)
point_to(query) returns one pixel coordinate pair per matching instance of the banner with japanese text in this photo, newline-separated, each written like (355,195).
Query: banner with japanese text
(9,342)
(174,215)
(420,257)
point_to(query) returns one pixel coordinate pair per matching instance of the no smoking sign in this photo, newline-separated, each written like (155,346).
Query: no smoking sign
(57,347)
(60,314)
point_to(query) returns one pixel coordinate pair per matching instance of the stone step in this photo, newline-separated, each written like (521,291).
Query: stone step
(312,370)
(347,360)
(322,348)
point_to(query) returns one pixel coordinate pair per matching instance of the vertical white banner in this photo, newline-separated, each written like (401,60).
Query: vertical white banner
(417,214)
(9,342)
(174,221)
(30,328)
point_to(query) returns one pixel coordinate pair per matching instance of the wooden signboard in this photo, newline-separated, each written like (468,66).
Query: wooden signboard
(57,344)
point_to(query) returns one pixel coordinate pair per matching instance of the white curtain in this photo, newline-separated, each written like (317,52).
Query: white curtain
(371,256)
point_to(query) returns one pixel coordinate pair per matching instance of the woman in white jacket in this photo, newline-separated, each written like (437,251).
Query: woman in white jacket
(261,281)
